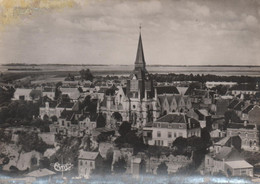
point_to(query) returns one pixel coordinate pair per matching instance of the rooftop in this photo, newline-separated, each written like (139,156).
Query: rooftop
(240,126)
(41,173)
(87,155)
(167,90)
(239,164)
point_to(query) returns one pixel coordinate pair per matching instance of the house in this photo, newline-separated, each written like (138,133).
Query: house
(200,96)
(212,84)
(48,109)
(244,89)
(70,106)
(168,103)
(239,107)
(166,129)
(137,166)
(203,116)
(87,123)
(245,112)
(248,133)
(219,162)
(87,162)
(22,94)
(221,106)
(233,103)
(254,115)
(73,93)
(234,141)
(238,168)
(49,92)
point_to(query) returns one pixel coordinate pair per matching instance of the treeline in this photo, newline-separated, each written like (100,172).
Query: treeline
(203,78)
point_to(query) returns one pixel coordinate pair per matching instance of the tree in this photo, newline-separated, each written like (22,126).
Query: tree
(101,121)
(54,118)
(86,74)
(117,116)
(124,128)
(162,169)
(205,137)
(181,144)
(120,165)
(231,115)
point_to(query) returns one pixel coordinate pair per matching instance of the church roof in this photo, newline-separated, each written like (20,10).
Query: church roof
(167,90)
(140,61)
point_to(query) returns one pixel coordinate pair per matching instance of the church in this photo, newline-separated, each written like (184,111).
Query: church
(139,102)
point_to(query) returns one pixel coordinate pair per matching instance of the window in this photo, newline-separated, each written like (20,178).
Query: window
(68,124)
(180,134)
(169,135)
(133,106)
(62,123)
(175,135)
(81,163)
(158,134)
(180,126)
(90,164)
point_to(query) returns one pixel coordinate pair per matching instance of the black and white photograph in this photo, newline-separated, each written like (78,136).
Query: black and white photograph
(129,91)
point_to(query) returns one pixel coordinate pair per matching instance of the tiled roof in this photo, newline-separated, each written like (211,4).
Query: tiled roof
(223,141)
(87,155)
(179,118)
(239,106)
(240,125)
(167,90)
(23,91)
(239,164)
(228,153)
(244,87)
(172,118)
(248,108)
(233,103)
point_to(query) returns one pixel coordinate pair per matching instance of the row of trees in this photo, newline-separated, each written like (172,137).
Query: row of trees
(203,78)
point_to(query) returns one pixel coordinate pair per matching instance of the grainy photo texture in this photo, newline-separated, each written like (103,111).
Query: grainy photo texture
(129,91)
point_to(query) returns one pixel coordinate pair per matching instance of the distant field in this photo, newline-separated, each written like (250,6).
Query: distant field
(125,69)
(15,71)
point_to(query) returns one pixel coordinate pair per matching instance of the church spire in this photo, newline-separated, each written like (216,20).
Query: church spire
(139,61)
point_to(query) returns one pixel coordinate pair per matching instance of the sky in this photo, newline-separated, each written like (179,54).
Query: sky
(174,32)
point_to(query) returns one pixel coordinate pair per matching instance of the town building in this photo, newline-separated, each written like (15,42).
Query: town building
(22,94)
(211,84)
(140,101)
(49,92)
(166,129)
(87,162)
(248,133)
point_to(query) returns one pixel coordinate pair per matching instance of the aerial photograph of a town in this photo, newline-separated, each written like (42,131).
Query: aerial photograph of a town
(129,91)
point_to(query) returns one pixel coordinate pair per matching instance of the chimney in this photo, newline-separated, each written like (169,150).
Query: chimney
(245,123)
(155,93)
(145,94)
(47,105)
